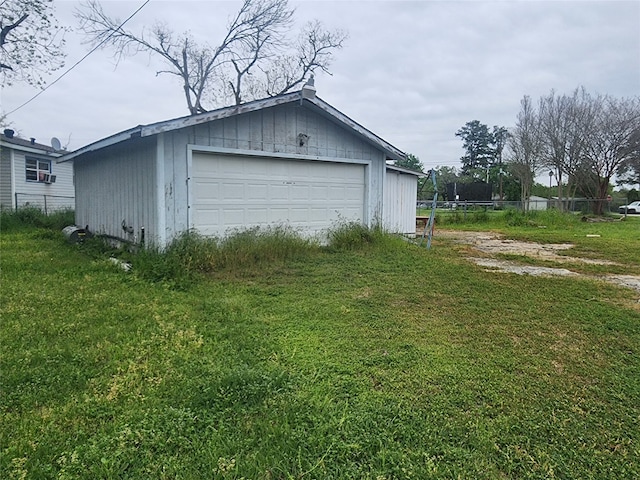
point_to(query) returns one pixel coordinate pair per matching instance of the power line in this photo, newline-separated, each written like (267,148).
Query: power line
(79,61)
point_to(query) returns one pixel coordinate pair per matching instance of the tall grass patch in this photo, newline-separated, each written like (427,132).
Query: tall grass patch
(244,251)
(29,217)
(251,251)
(355,236)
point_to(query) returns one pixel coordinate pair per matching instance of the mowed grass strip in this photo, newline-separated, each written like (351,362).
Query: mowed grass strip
(380,361)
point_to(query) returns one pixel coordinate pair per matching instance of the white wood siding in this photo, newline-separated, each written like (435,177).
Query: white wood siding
(400,196)
(119,186)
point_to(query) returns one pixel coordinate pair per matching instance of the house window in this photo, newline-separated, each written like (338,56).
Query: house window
(36,169)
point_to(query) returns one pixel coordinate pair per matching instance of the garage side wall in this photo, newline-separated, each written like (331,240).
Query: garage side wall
(400,196)
(116,191)
(291,131)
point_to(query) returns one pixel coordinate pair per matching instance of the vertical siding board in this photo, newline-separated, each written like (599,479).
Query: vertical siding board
(121,189)
(243,126)
(312,131)
(323,137)
(6,194)
(229,132)
(268,133)
(255,124)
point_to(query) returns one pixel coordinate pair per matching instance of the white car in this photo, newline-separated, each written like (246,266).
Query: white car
(633,207)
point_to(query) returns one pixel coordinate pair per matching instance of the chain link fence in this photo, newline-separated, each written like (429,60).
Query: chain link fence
(47,203)
(575,205)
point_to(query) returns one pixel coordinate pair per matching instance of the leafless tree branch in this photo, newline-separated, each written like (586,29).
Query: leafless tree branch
(253,57)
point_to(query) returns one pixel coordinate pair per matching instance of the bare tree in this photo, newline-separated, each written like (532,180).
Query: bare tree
(611,140)
(524,149)
(31,41)
(587,139)
(313,51)
(253,55)
(564,122)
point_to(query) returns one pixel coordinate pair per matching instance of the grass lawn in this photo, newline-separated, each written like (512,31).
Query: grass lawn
(387,361)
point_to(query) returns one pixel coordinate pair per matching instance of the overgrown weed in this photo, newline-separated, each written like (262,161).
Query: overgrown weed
(356,236)
(243,251)
(28,217)
(250,252)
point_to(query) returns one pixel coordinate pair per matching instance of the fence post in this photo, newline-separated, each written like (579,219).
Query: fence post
(45,205)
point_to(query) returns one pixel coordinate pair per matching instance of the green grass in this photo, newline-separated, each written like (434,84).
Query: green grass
(373,359)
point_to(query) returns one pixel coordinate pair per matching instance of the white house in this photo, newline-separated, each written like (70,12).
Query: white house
(31,176)
(538,203)
(291,159)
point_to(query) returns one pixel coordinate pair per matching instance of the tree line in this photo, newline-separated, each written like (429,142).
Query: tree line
(585,141)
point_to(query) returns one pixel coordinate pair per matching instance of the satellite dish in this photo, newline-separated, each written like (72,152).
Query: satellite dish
(55,143)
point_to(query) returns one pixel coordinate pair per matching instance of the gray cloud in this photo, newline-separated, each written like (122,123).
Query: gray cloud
(412,72)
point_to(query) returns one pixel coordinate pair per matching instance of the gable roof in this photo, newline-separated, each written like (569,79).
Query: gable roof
(29,146)
(313,102)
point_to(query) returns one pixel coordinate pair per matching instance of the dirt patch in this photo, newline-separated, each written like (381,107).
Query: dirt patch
(512,267)
(492,244)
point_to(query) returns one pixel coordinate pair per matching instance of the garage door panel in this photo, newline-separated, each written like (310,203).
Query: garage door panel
(233,191)
(256,192)
(257,215)
(240,192)
(277,193)
(209,216)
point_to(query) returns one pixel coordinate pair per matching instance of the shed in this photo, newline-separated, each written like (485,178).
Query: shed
(291,159)
(31,176)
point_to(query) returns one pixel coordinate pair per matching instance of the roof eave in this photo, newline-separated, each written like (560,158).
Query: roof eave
(35,149)
(392,152)
(408,171)
(105,142)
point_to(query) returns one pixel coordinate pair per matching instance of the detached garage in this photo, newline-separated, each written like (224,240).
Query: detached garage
(291,159)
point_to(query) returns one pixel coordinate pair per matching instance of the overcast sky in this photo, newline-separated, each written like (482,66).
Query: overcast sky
(412,72)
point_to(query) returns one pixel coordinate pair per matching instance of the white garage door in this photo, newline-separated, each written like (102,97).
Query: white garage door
(230,192)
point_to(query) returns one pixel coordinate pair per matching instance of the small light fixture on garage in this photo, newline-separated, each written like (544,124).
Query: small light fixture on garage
(303,139)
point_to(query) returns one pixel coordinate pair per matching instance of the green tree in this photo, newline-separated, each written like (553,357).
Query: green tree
(410,162)
(31,41)
(479,145)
